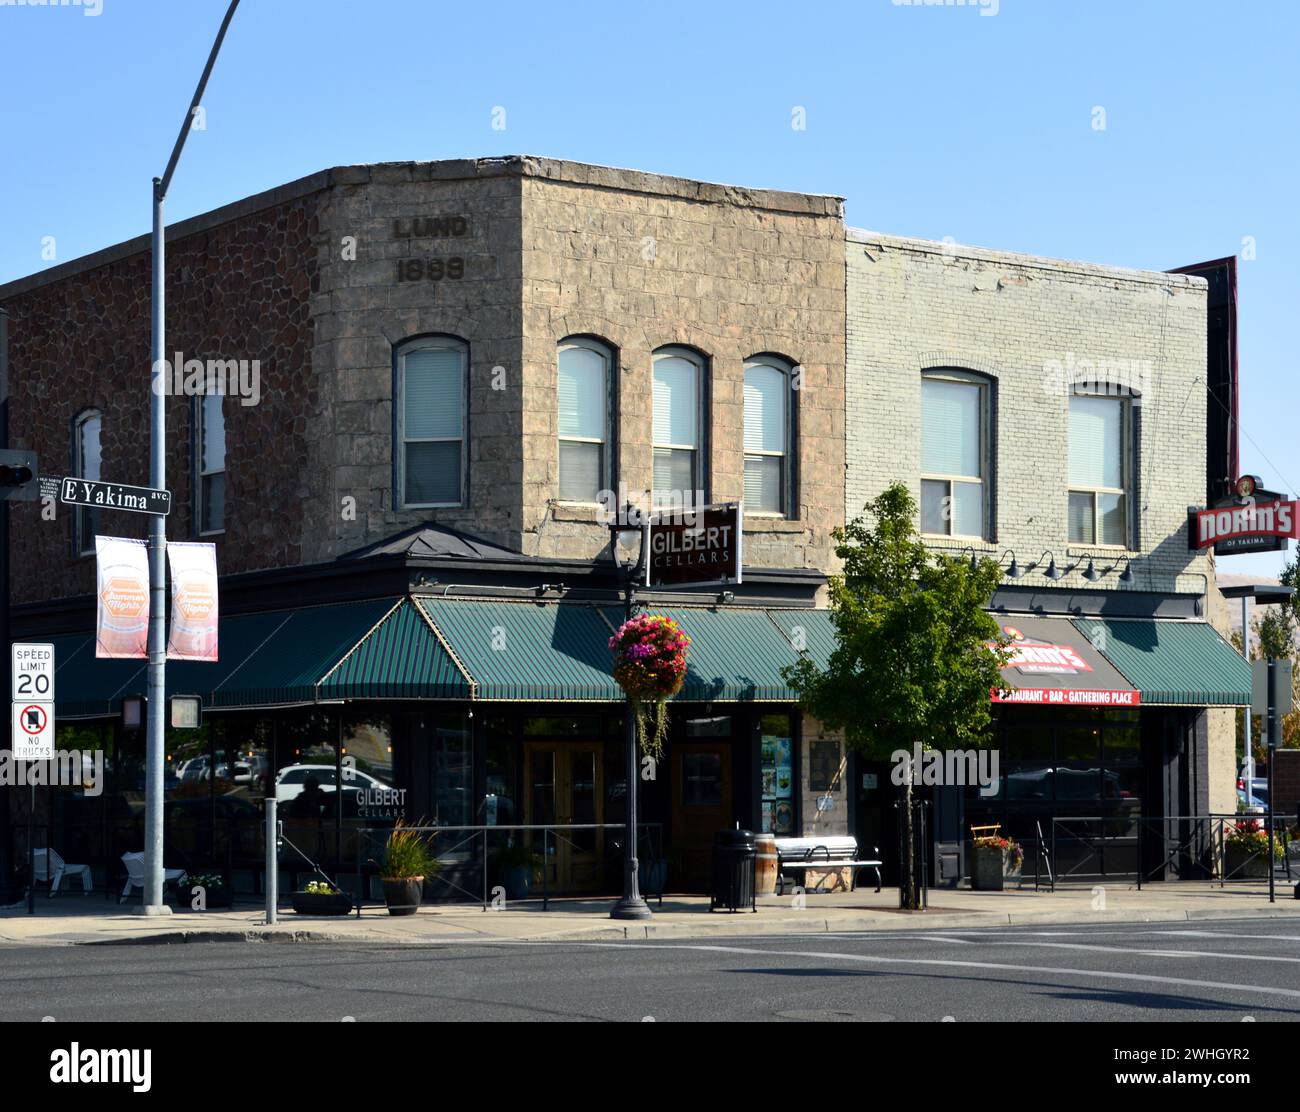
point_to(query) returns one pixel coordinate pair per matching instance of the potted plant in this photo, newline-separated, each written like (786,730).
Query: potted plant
(206,892)
(517,867)
(992,857)
(407,861)
(319,897)
(1245,849)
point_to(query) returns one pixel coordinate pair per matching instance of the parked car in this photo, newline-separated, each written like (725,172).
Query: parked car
(291,780)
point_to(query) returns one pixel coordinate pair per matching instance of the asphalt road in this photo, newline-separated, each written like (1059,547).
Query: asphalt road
(1208,970)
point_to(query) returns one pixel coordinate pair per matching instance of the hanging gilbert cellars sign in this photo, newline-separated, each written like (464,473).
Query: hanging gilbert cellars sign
(695,546)
(1252,520)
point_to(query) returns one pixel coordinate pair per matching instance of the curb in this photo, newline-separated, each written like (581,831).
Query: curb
(886,922)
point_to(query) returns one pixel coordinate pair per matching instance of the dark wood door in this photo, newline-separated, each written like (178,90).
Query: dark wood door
(701,807)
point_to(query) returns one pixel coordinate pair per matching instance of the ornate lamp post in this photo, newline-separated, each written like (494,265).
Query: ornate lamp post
(628,549)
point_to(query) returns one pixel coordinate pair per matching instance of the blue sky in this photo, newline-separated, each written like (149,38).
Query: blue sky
(931,121)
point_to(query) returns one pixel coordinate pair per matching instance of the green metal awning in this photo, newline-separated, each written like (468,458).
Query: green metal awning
(554,652)
(736,655)
(1173,663)
(266,659)
(808,631)
(401,658)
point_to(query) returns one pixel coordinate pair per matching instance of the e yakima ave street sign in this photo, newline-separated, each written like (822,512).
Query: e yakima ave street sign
(115,496)
(695,547)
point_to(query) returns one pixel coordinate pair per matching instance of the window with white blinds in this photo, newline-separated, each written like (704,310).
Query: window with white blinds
(431,423)
(1098,463)
(677,382)
(86,452)
(767,437)
(210,453)
(953,452)
(583,389)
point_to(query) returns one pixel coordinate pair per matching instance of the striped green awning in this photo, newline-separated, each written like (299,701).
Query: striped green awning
(810,631)
(554,652)
(85,687)
(1173,663)
(736,655)
(401,658)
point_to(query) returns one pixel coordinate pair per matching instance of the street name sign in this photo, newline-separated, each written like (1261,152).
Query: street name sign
(115,496)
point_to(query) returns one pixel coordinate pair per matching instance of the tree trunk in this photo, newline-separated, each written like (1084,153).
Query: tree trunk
(908,895)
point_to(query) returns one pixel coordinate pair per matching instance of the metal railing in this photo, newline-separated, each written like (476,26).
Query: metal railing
(467,849)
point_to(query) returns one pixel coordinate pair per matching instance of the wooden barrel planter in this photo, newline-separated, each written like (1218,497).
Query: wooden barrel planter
(765,864)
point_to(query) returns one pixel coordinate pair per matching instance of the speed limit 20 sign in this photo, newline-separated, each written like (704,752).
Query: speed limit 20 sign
(32,673)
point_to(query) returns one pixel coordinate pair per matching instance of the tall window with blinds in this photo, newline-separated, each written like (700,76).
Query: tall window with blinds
(430,402)
(954,451)
(1099,469)
(767,437)
(584,388)
(210,460)
(86,459)
(678,381)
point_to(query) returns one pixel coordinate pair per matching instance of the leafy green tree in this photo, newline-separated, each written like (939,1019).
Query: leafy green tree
(917,654)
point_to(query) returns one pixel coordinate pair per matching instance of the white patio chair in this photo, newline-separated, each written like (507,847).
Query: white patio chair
(134,863)
(50,866)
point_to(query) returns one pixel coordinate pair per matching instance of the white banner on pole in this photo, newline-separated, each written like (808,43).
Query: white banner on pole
(122,628)
(194,601)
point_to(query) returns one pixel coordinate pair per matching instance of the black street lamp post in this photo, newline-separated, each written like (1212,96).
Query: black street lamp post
(625,531)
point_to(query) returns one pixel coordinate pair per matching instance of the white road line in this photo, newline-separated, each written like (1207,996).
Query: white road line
(871,959)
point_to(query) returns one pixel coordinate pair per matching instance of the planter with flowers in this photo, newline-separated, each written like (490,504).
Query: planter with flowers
(993,858)
(319,897)
(650,666)
(1245,849)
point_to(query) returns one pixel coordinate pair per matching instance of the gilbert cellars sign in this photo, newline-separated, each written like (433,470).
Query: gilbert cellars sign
(696,547)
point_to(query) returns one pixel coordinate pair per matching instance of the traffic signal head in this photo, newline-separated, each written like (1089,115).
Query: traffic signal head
(18,480)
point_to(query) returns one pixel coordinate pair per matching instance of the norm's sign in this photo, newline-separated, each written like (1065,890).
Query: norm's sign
(1256,520)
(115,496)
(695,546)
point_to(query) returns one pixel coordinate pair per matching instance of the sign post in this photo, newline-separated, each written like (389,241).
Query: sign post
(1270,682)
(31,671)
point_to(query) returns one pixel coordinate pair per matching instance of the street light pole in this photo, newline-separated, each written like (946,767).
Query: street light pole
(155,746)
(631,906)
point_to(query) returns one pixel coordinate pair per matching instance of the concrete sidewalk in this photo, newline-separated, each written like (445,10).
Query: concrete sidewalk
(80,919)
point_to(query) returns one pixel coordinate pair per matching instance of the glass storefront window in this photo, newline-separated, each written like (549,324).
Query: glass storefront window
(701,779)
(776,772)
(453,771)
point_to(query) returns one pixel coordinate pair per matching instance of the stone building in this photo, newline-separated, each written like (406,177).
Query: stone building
(1053,416)
(435,376)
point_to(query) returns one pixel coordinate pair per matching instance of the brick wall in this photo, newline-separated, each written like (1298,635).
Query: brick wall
(914,305)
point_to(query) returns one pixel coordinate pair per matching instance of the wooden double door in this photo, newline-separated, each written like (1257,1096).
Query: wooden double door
(564,784)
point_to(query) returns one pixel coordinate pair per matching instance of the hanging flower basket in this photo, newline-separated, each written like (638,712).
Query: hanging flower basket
(650,666)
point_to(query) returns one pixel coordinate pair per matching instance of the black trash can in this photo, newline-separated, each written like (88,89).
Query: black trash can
(734,858)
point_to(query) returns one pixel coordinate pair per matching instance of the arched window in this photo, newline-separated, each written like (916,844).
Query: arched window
(955,408)
(86,464)
(678,420)
(1101,435)
(430,414)
(585,387)
(210,459)
(769,436)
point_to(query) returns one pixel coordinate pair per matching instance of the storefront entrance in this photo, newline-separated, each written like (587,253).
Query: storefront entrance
(701,796)
(564,784)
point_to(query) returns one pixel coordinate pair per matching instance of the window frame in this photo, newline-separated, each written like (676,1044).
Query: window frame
(431,342)
(985,387)
(700,467)
(85,519)
(199,427)
(1127,454)
(789,467)
(609,445)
